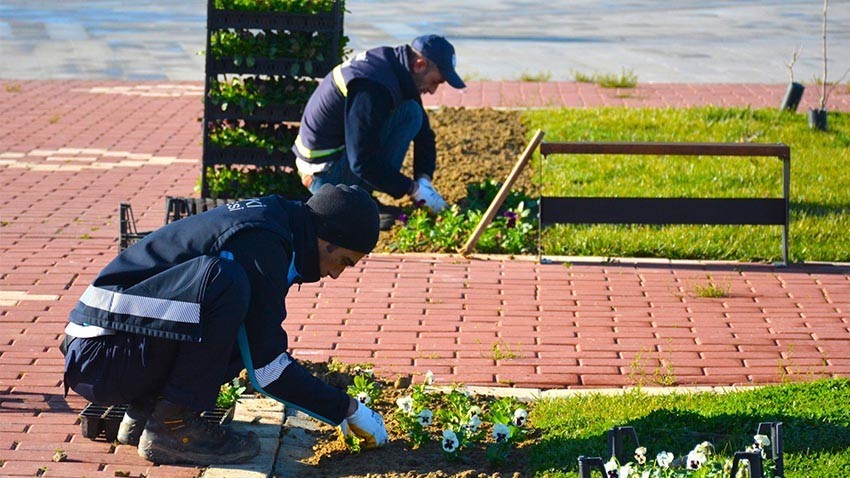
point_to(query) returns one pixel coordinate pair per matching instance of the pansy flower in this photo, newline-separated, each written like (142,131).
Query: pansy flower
(364,398)
(425,417)
(640,455)
(450,441)
(520,416)
(501,432)
(473,424)
(695,460)
(405,404)
(664,459)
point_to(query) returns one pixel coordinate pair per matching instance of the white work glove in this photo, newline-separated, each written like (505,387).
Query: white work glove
(426,194)
(367,425)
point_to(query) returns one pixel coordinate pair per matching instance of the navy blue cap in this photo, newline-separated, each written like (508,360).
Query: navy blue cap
(439,51)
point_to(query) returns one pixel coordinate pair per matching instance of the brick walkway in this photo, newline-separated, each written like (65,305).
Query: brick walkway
(71,151)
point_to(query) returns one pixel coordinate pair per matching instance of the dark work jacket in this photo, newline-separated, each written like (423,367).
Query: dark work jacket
(156,287)
(376,82)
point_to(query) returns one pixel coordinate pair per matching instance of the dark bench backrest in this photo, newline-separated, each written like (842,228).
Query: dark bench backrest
(593,210)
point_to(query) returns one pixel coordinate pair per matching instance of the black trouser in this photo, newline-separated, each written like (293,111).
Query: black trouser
(131,368)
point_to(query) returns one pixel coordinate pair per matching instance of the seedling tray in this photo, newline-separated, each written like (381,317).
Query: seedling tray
(97,421)
(272,112)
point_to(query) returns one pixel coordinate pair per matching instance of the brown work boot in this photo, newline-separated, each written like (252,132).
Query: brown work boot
(176,434)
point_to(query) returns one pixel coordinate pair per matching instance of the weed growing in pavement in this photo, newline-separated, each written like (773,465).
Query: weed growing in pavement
(712,290)
(535,77)
(626,79)
(502,351)
(663,374)
(13,88)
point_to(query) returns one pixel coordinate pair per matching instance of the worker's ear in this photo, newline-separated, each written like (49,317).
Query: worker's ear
(420,64)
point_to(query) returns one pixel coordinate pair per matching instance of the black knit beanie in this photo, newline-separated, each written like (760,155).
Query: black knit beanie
(346,216)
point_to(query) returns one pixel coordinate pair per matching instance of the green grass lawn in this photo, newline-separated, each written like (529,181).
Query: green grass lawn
(820,182)
(815,418)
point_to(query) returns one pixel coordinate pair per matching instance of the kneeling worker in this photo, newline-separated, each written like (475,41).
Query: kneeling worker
(360,121)
(182,311)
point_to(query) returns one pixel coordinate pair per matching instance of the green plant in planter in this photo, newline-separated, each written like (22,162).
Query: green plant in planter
(252,92)
(246,182)
(229,394)
(245,47)
(268,136)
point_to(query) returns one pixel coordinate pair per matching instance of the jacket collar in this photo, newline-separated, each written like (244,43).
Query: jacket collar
(405,76)
(304,245)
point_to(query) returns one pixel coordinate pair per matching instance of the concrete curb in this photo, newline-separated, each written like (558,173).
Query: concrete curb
(264,417)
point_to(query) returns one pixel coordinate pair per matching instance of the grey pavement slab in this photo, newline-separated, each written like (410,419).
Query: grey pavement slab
(746,41)
(265,417)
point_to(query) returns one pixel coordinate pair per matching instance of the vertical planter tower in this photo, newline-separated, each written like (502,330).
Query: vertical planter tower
(263,60)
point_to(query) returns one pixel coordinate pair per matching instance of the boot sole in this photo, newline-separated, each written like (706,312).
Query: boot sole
(169,456)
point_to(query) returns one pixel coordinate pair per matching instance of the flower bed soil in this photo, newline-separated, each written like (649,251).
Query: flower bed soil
(473,145)
(331,457)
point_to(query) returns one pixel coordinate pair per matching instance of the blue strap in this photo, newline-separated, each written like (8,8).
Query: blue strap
(245,351)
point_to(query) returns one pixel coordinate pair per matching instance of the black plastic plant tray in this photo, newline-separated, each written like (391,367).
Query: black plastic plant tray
(273,112)
(271,67)
(97,421)
(305,22)
(244,155)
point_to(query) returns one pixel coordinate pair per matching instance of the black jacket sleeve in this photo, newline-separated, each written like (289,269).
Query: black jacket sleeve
(367,107)
(266,258)
(424,150)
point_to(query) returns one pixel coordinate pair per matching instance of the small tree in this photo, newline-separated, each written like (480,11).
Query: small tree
(826,88)
(795,90)
(817,117)
(790,64)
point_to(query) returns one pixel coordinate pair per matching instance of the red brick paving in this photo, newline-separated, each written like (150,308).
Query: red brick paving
(69,156)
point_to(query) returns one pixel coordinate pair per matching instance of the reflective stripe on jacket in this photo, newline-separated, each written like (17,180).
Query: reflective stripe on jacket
(155,287)
(322,132)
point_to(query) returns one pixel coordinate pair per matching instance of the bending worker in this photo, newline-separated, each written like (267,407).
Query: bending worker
(159,326)
(358,124)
